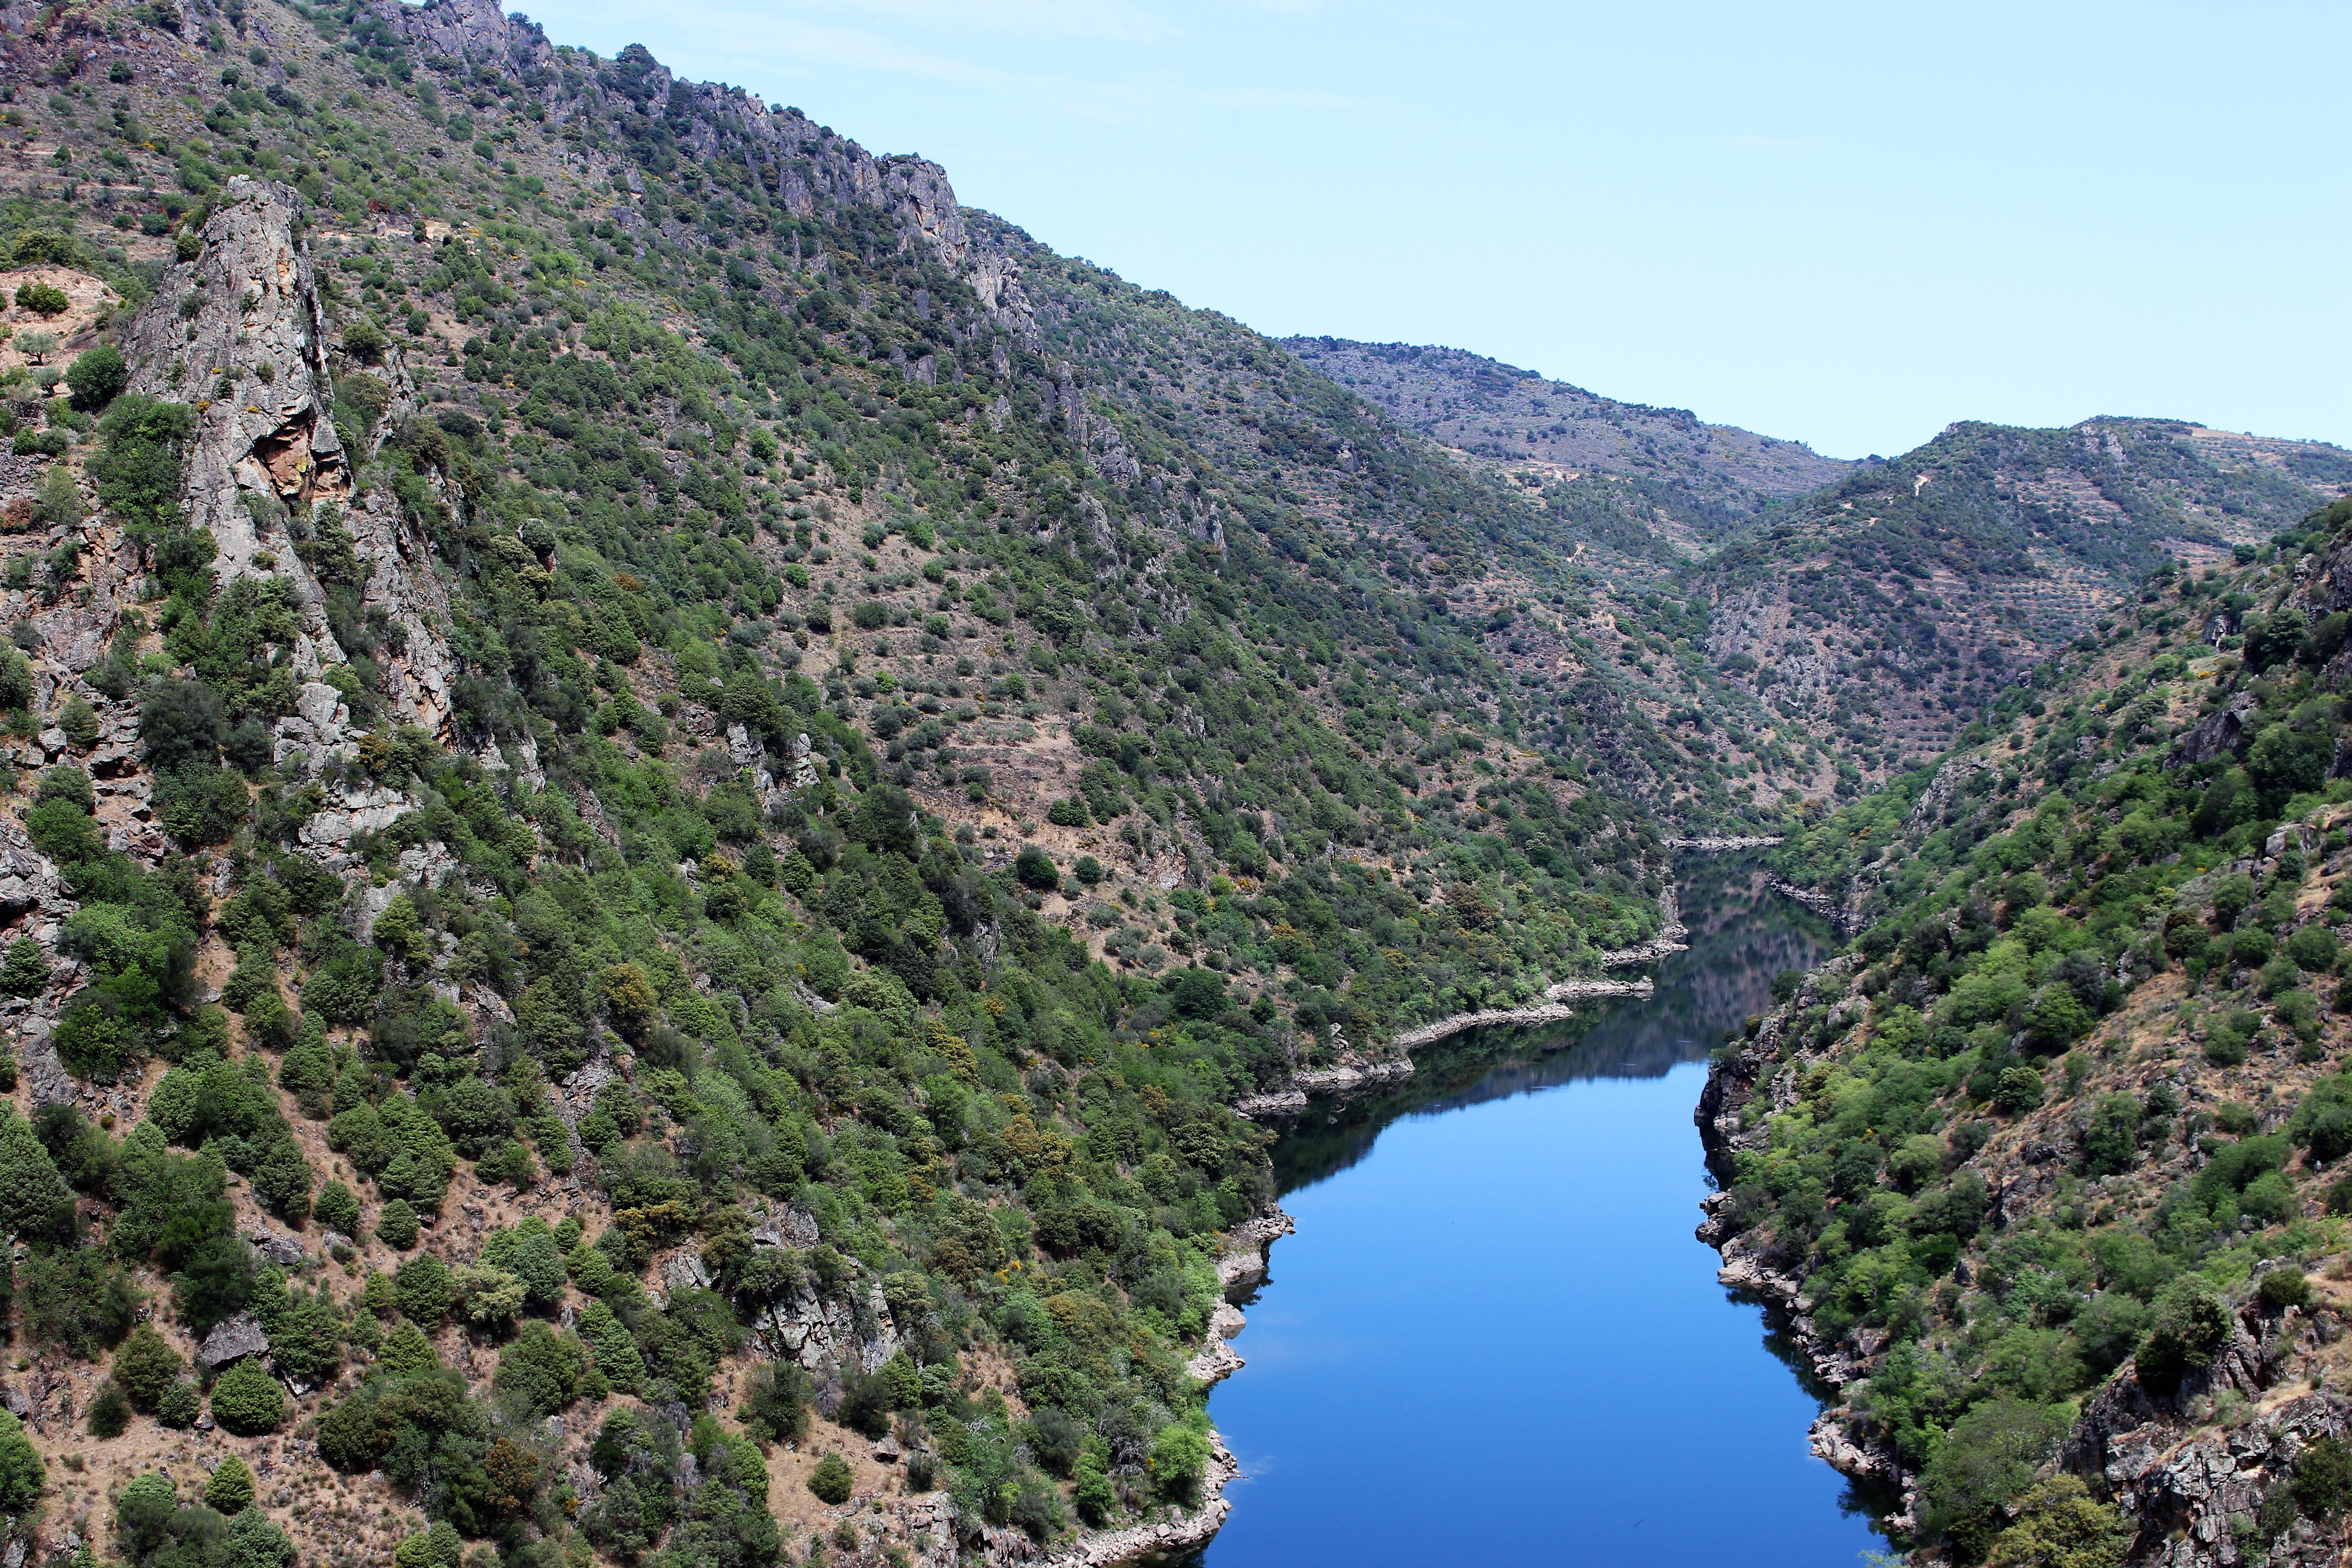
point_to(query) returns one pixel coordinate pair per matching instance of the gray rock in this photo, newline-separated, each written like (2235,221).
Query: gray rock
(283,1250)
(233,1340)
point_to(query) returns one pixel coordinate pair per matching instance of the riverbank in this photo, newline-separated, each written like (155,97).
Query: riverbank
(1732,1083)
(1242,1260)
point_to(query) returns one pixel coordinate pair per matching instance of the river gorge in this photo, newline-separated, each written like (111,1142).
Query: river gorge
(1494,1339)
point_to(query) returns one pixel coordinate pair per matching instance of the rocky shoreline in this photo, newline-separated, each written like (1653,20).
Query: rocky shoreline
(2191,1486)
(1243,1260)
(1732,1081)
(1353,1077)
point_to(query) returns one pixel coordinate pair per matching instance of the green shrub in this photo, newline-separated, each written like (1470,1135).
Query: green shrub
(831,1481)
(230,1491)
(42,298)
(2323,1478)
(25,970)
(2284,1287)
(2191,1320)
(426,1290)
(147,1367)
(180,1407)
(97,377)
(248,1401)
(2061,1525)
(396,1224)
(110,1412)
(21,1467)
(338,1208)
(1989,1458)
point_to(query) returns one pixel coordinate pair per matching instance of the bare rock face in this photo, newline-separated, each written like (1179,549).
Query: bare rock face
(830,1331)
(233,1340)
(239,334)
(245,313)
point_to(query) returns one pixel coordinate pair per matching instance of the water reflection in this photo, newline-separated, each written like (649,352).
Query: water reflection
(1742,934)
(1494,1339)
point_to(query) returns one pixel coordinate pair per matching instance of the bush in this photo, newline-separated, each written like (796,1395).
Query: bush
(249,1402)
(1033,868)
(78,1298)
(97,377)
(110,1413)
(230,1491)
(2315,947)
(365,340)
(2323,1478)
(2284,1287)
(426,1290)
(43,298)
(25,970)
(1989,1458)
(1180,1455)
(831,1481)
(338,1208)
(776,1401)
(180,1407)
(2190,1320)
(2061,1525)
(179,724)
(147,1367)
(396,1225)
(21,1474)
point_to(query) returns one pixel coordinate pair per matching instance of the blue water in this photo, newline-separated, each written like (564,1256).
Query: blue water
(1494,1339)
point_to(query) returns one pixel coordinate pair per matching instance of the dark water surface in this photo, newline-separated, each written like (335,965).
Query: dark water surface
(1494,1339)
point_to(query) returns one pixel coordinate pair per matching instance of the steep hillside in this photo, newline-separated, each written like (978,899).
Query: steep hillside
(1862,613)
(667,785)
(2043,1169)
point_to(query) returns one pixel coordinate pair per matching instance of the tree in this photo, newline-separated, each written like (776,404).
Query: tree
(47,300)
(252,1541)
(2323,1478)
(1034,869)
(231,1488)
(406,1350)
(2061,1525)
(248,1401)
(831,1481)
(2190,1320)
(147,1366)
(630,998)
(1989,1458)
(33,1199)
(425,1289)
(78,1297)
(338,1208)
(365,340)
(395,1224)
(22,1477)
(110,1413)
(180,724)
(180,1407)
(25,970)
(97,377)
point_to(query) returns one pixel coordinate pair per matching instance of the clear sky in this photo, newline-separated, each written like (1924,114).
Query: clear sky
(1848,225)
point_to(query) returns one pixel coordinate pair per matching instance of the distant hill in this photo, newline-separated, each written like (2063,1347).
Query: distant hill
(1861,612)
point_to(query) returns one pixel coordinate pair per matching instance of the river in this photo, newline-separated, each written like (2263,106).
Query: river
(1494,1338)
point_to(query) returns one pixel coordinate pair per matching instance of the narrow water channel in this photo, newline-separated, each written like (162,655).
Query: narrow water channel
(1494,1339)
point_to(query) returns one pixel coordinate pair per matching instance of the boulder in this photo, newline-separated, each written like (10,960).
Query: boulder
(233,1340)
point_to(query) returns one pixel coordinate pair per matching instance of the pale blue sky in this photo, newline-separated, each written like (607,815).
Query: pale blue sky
(1848,225)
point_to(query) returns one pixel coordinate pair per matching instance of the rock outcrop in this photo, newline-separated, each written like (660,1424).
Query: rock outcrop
(239,335)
